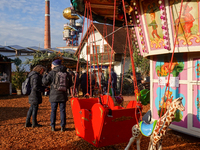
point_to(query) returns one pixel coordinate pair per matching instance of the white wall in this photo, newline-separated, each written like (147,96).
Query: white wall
(99,41)
(118,66)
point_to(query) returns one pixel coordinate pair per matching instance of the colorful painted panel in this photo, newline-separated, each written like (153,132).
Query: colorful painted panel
(162,101)
(196,106)
(178,67)
(189,27)
(153,24)
(196,69)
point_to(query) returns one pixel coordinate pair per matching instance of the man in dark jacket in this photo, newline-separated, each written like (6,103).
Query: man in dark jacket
(77,84)
(113,81)
(56,97)
(35,97)
(83,81)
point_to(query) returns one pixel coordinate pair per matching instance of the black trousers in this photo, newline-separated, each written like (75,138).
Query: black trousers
(32,112)
(54,107)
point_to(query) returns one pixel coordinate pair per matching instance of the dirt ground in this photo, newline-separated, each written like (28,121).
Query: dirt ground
(14,136)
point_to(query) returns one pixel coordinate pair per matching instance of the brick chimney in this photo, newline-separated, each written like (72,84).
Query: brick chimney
(47,35)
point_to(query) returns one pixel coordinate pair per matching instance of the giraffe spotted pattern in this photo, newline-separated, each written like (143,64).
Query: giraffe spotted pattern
(160,128)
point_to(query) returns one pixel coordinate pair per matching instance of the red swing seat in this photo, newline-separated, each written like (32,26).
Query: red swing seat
(103,124)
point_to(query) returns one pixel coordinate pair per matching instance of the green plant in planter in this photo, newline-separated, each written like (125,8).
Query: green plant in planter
(19,76)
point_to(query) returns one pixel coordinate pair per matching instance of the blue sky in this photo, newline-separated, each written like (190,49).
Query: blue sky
(22,22)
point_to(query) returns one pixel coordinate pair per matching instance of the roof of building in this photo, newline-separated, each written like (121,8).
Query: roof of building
(6,49)
(35,48)
(32,49)
(70,49)
(65,49)
(120,35)
(20,48)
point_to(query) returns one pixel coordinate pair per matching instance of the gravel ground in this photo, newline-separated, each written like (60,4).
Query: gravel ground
(14,136)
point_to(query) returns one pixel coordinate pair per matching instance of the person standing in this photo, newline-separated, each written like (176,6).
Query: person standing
(94,81)
(83,81)
(113,81)
(35,97)
(57,97)
(72,75)
(77,84)
(103,81)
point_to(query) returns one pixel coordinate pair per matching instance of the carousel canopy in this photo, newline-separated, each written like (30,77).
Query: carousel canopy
(98,8)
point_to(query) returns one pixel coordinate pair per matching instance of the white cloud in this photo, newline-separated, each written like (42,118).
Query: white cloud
(22,22)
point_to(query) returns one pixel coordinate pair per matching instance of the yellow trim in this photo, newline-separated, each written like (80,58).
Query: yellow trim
(94,141)
(72,102)
(77,131)
(101,111)
(84,119)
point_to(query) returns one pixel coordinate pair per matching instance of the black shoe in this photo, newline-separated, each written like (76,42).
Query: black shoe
(28,124)
(36,125)
(52,128)
(62,129)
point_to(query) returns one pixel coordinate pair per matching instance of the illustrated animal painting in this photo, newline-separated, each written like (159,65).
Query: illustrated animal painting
(164,68)
(160,128)
(186,21)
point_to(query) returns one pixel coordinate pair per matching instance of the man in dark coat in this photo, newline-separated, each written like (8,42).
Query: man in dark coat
(77,84)
(35,97)
(72,76)
(83,81)
(113,81)
(56,97)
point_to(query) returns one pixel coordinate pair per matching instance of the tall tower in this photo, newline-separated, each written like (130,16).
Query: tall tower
(72,30)
(47,35)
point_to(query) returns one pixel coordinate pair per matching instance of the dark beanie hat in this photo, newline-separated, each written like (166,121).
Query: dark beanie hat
(56,62)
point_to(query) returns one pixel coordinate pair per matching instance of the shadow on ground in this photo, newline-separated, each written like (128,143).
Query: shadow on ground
(9,113)
(12,97)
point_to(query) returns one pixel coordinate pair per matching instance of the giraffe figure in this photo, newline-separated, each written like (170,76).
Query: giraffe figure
(160,128)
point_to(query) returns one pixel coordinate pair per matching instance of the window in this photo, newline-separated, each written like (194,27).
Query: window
(98,49)
(107,48)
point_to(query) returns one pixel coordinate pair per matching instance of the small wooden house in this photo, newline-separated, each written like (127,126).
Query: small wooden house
(5,76)
(96,47)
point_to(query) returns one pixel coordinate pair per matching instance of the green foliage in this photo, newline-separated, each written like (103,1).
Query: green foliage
(5,58)
(17,61)
(177,69)
(145,96)
(128,87)
(178,116)
(18,77)
(141,63)
(158,68)
(40,56)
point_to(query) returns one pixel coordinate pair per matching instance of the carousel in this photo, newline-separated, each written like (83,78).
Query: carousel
(168,33)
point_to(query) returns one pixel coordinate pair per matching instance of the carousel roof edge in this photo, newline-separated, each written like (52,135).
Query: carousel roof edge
(148,56)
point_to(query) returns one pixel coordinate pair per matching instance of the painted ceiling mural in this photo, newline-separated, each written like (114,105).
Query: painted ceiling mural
(153,23)
(189,28)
